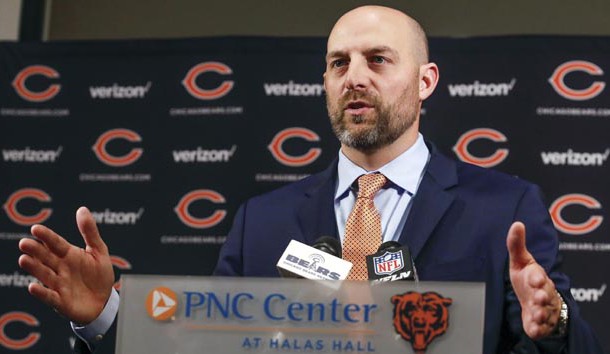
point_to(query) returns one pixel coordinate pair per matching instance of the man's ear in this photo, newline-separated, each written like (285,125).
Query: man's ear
(428,78)
(324,79)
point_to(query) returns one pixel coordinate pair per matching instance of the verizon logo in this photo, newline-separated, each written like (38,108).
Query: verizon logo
(479,89)
(16,280)
(30,155)
(119,92)
(203,155)
(588,295)
(571,158)
(108,217)
(293,89)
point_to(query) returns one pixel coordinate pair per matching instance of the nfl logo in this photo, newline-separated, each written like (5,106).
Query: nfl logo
(388,263)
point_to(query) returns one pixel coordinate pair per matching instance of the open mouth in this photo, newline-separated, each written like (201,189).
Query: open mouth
(358,107)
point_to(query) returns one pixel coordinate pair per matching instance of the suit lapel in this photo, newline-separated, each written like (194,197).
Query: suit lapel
(430,202)
(316,215)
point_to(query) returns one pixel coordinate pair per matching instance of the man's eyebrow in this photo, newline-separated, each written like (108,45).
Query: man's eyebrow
(374,50)
(335,53)
(381,49)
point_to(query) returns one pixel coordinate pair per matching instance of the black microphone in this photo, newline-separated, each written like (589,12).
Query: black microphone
(328,245)
(391,262)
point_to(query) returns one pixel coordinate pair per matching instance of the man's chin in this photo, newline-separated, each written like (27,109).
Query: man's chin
(363,139)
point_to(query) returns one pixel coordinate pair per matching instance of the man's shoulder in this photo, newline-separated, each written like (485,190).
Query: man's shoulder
(471,177)
(487,180)
(295,190)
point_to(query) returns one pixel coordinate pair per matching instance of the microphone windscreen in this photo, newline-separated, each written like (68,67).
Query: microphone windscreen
(389,246)
(329,245)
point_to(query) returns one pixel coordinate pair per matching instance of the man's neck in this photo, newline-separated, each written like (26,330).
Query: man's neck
(373,160)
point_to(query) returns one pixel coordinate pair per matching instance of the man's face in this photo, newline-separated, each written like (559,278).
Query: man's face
(371,80)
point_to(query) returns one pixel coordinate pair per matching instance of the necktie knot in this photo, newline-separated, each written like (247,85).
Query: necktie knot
(370,184)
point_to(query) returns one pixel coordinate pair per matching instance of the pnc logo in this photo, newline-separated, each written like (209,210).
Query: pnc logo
(421,317)
(190,81)
(461,147)
(19,83)
(122,264)
(182,209)
(276,147)
(10,206)
(99,148)
(23,343)
(557,80)
(587,226)
(161,303)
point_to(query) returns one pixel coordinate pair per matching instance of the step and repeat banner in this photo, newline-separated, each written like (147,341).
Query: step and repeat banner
(163,140)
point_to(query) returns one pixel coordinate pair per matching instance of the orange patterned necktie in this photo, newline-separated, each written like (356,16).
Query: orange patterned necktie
(363,226)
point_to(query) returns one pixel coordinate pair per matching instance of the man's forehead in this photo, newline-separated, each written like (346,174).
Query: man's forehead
(373,40)
(372,27)
(369,27)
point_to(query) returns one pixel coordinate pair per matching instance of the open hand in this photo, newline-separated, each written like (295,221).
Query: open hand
(540,304)
(76,282)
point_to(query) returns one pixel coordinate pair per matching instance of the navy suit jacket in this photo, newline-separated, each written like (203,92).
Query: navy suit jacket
(456,231)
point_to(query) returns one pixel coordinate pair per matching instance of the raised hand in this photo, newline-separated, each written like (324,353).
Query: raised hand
(540,304)
(77,282)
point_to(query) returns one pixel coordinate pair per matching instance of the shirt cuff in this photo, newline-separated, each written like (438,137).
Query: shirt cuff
(94,332)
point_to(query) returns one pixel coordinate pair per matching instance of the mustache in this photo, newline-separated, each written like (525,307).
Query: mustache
(363,96)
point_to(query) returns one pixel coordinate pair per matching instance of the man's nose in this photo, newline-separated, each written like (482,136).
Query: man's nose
(357,77)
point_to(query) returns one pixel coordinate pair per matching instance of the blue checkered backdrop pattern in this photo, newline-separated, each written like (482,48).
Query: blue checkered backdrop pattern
(163,140)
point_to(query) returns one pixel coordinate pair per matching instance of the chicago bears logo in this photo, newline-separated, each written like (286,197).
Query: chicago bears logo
(461,147)
(277,150)
(572,228)
(27,193)
(18,343)
(182,209)
(190,81)
(99,148)
(420,318)
(557,80)
(36,96)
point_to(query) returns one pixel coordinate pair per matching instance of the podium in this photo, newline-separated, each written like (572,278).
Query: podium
(187,315)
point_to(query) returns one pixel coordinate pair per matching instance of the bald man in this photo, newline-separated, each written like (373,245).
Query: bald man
(461,222)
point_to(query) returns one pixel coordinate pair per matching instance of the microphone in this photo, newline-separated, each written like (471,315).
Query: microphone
(329,245)
(322,261)
(391,262)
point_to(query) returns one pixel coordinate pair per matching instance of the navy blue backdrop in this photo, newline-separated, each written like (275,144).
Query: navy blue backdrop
(163,140)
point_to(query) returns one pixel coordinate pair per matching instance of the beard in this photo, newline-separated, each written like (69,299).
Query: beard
(376,129)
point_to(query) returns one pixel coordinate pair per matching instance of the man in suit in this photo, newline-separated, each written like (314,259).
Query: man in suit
(460,222)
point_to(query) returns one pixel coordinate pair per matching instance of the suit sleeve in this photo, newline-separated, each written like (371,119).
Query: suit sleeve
(230,260)
(543,243)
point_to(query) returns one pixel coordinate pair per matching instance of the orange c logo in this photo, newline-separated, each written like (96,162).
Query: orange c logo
(557,80)
(190,81)
(182,209)
(29,95)
(161,303)
(11,207)
(99,148)
(294,161)
(461,147)
(575,199)
(18,344)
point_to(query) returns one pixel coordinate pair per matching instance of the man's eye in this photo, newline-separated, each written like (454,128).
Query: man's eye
(378,60)
(338,63)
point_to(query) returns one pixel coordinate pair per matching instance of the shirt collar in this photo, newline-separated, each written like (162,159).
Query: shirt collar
(404,171)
